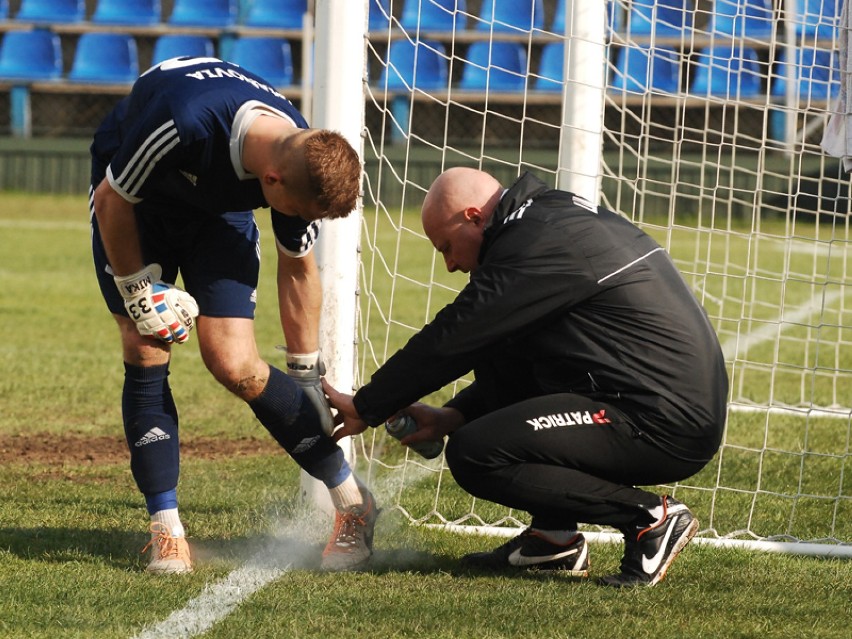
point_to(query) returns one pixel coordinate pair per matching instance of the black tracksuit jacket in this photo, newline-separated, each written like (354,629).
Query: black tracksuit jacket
(569,298)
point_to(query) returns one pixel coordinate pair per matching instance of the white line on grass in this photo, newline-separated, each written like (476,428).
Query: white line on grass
(736,346)
(216,601)
(281,554)
(285,551)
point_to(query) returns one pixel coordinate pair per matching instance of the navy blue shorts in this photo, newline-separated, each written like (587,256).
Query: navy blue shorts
(217,256)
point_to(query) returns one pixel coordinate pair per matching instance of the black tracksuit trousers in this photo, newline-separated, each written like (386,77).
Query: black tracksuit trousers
(565,459)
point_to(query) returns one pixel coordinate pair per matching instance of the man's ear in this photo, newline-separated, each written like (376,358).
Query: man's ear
(473,214)
(271,177)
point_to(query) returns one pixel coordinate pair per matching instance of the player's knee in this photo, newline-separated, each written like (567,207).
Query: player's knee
(244,379)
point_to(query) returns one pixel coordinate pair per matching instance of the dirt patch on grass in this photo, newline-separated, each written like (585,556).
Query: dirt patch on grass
(80,448)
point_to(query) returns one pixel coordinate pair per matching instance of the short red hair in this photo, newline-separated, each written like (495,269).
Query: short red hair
(334,173)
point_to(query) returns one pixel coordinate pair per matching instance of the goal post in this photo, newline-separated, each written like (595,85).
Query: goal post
(583,93)
(337,87)
(700,121)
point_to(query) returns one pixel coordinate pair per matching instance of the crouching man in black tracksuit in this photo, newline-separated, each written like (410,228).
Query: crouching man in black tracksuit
(596,371)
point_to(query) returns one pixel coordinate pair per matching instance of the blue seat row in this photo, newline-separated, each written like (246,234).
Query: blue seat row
(280,14)
(731,70)
(742,18)
(727,71)
(737,18)
(36,55)
(499,16)
(752,18)
(451,15)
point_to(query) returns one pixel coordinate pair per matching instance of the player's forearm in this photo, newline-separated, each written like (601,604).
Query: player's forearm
(117,224)
(299,302)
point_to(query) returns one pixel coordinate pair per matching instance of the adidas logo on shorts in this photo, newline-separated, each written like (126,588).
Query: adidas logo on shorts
(306,444)
(153,435)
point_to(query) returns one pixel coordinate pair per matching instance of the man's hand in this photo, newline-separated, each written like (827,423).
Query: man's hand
(306,371)
(433,423)
(159,309)
(346,413)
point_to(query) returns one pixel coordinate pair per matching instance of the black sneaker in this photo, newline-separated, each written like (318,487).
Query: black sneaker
(531,550)
(648,552)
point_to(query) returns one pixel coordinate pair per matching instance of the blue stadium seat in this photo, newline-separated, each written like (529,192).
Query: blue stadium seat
(380,14)
(132,12)
(557,25)
(818,18)
(210,13)
(4,9)
(511,15)
(422,65)
(729,70)
(173,45)
(278,14)
(494,66)
(31,55)
(551,67)
(742,18)
(433,15)
(270,58)
(105,57)
(663,17)
(642,69)
(51,11)
(816,72)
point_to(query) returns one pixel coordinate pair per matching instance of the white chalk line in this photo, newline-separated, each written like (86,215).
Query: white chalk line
(215,602)
(282,552)
(736,346)
(218,600)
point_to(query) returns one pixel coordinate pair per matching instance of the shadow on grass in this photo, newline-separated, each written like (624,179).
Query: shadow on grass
(121,550)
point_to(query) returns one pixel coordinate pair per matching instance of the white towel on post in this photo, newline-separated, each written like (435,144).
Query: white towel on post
(837,136)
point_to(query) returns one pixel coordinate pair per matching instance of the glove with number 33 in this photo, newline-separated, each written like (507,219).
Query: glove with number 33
(159,309)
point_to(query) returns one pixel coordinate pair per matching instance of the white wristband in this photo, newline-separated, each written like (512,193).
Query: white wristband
(302,363)
(140,282)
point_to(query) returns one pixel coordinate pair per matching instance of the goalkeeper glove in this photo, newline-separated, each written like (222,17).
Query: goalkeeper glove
(159,309)
(306,370)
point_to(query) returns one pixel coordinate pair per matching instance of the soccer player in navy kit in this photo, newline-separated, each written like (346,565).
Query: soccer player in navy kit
(177,169)
(596,372)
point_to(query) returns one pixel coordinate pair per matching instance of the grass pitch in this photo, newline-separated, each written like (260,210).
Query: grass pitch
(72,524)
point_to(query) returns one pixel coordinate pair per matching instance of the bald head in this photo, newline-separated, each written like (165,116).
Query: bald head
(455,211)
(456,190)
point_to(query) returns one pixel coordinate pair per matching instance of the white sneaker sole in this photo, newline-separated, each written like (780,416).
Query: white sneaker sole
(680,544)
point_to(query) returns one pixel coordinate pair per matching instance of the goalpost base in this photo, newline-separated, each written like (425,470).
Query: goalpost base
(828,550)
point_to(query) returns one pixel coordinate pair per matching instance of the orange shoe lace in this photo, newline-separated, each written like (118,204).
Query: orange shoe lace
(167,546)
(346,525)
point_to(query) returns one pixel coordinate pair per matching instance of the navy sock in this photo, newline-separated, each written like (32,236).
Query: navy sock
(290,417)
(151,428)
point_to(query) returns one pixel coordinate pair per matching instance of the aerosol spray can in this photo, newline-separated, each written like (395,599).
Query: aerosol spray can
(405,426)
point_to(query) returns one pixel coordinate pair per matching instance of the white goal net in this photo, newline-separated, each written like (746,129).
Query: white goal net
(699,120)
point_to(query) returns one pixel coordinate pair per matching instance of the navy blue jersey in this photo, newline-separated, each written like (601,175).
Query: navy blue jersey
(177,137)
